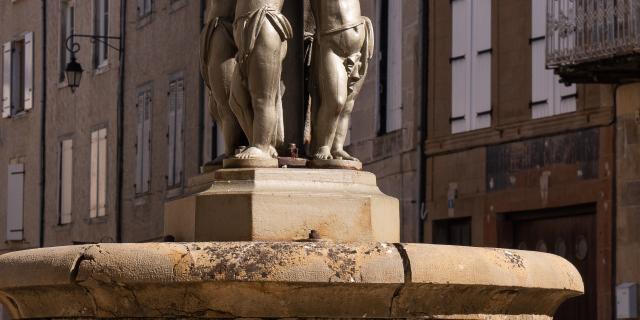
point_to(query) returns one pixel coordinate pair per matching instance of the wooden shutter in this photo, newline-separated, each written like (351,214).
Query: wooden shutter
(66,181)
(171,134)
(15,202)
(394,67)
(460,64)
(179,131)
(146,143)
(6,79)
(28,71)
(542,80)
(102,172)
(481,65)
(140,7)
(567,96)
(139,142)
(93,196)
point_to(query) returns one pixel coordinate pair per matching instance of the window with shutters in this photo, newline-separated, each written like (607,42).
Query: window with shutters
(549,97)
(67,28)
(101,28)
(470,65)
(98,188)
(65,192)
(143,141)
(145,7)
(17,76)
(175,132)
(15,202)
(390,77)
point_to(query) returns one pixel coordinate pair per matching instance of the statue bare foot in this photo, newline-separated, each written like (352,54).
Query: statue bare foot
(253,153)
(273,152)
(323,153)
(337,154)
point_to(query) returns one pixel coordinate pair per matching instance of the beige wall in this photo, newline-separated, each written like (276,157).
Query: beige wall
(20,135)
(75,116)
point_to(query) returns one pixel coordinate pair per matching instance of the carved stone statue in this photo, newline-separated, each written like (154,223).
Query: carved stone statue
(217,54)
(261,33)
(342,50)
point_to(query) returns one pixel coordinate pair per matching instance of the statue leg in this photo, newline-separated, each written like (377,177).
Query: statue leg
(240,103)
(337,150)
(333,92)
(264,71)
(221,69)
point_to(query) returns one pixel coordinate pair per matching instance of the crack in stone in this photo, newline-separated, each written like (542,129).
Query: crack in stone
(406,264)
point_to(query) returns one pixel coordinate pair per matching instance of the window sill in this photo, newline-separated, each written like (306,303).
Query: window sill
(140,199)
(144,20)
(97,220)
(177,5)
(102,68)
(173,192)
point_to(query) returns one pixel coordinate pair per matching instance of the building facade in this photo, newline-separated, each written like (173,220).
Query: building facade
(517,159)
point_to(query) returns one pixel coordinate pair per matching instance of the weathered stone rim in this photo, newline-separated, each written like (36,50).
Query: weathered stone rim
(307,279)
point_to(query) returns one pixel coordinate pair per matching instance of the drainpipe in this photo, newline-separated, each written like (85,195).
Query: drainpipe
(614,203)
(201,123)
(423,114)
(120,121)
(43,122)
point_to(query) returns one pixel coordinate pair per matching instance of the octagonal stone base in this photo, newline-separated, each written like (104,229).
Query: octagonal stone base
(285,280)
(285,205)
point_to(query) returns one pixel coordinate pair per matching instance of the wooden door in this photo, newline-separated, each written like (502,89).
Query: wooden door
(572,236)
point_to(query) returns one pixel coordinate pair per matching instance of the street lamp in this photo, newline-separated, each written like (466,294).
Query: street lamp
(74,69)
(74,73)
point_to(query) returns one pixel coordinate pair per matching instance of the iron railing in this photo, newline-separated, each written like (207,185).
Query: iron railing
(581,31)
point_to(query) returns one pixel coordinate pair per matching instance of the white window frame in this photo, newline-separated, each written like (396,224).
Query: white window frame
(394,66)
(15,202)
(67,28)
(549,97)
(17,75)
(101,28)
(144,8)
(99,169)
(471,65)
(65,189)
(175,134)
(144,110)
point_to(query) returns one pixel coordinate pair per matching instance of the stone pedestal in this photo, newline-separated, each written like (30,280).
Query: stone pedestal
(286,205)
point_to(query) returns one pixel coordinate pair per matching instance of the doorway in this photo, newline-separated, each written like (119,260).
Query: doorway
(568,232)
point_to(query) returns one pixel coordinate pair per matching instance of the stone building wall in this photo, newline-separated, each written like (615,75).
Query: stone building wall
(20,134)
(518,168)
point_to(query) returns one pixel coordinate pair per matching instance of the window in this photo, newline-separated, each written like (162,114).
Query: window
(15,202)
(143,142)
(17,79)
(66,181)
(452,232)
(144,8)
(176,113)
(390,78)
(98,196)
(67,28)
(470,65)
(101,21)
(549,97)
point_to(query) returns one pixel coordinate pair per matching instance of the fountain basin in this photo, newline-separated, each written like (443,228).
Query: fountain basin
(319,279)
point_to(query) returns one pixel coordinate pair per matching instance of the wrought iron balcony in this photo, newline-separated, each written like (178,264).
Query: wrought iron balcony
(594,41)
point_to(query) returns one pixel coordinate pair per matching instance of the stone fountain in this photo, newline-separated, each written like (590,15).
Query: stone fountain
(267,242)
